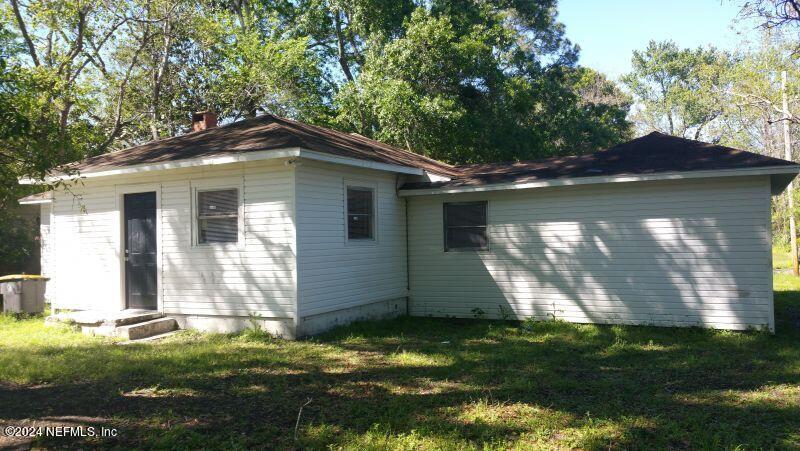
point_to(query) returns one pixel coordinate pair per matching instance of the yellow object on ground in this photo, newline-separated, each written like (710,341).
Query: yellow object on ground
(18,277)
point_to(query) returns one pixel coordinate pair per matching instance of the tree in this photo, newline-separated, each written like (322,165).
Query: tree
(598,118)
(464,85)
(773,14)
(462,81)
(752,92)
(253,73)
(677,90)
(23,149)
(756,115)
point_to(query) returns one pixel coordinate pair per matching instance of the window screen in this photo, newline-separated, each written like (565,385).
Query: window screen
(465,226)
(360,213)
(218,216)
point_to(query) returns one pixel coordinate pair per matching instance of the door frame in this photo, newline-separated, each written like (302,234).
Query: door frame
(120,192)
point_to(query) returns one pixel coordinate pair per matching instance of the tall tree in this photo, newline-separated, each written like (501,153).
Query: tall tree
(677,90)
(473,82)
(25,147)
(756,115)
(461,81)
(752,91)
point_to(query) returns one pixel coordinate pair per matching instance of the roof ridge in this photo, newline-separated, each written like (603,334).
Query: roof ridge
(167,139)
(297,127)
(702,145)
(368,142)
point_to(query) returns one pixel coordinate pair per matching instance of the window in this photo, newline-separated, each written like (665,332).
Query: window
(465,226)
(360,213)
(218,216)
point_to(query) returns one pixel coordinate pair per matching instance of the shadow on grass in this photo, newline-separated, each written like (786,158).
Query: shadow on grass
(416,382)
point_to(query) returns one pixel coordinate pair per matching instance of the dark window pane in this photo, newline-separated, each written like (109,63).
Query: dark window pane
(359,201)
(219,230)
(223,202)
(465,225)
(360,213)
(359,227)
(466,238)
(465,214)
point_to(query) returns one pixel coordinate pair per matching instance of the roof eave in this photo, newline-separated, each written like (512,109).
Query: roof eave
(780,176)
(35,202)
(272,154)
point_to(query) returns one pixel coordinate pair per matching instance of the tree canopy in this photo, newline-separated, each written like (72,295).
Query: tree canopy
(678,90)
(461,81)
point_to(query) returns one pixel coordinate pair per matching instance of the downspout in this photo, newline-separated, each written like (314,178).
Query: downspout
(292,164)
(408,271)
(408,268)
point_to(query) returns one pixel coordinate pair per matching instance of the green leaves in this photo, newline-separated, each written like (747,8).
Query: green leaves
(277,75)
(461,85)
(463,82)
(679,91)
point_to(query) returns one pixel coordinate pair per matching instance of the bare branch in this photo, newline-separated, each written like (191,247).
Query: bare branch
(299,414)
(123,87)
(23,29)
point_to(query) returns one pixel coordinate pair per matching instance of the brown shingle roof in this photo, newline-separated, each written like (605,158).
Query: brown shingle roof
(650,154)
(265,132)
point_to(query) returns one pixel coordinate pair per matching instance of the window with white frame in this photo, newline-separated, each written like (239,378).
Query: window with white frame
(465,226)
(360,213)
(218,216)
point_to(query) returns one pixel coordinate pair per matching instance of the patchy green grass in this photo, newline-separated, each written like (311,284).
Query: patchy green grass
(416,383)
(781,257)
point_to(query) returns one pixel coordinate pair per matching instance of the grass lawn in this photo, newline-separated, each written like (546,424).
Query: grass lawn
(781,257)
(416,384)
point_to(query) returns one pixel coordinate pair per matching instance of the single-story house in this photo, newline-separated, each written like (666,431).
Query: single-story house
(300,228)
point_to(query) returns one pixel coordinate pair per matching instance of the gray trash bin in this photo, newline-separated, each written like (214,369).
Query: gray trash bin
(23,293)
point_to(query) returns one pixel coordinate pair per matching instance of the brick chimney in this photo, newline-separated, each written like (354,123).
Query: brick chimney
(203,120)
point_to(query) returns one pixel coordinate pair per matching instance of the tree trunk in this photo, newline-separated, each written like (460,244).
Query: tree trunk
(341,46)
(158,78)
(787,148)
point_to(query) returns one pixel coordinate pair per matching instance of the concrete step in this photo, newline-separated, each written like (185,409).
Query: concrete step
(133,317)
(150,339)
(91,318)
(127,324)
(146,329)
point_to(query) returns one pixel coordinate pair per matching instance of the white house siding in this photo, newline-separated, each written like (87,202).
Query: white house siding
(666,253)
(255,277)
(45,247)
(85,255)
(334,274)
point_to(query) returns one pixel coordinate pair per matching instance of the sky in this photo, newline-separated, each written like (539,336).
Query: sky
(609,31)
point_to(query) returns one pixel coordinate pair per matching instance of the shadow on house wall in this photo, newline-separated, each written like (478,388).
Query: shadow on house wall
(698,259)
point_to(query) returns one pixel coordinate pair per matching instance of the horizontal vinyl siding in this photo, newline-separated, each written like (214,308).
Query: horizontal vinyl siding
(85,258)
(256,276)
(667,253)
(46,249)
(335,274)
